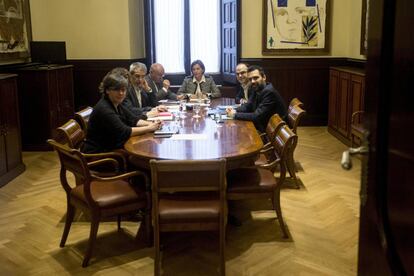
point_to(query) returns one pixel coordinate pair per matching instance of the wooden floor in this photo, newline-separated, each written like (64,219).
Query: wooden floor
(322,217)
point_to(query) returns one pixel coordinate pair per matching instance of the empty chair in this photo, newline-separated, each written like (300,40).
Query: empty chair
(295,102)
(272,128)
(357,127)
(295,115)
(260,181)
(189,195)
(82,117)
(99,197)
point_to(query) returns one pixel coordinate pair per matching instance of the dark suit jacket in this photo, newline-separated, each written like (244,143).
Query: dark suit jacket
(240,94)
(261,106)
(148,101)
(157,88)
(108,128)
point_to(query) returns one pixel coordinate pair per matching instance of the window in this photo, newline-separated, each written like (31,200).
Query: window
(185,31)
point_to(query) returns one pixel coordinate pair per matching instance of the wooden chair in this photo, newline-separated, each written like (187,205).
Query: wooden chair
(295,102)
(295,115)
(272,128)
(71,133)
(82,117)
(260,181)
(99,196)
(357,127)
(189,195)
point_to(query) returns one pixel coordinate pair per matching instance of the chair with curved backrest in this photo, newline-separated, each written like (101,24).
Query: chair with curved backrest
(272,128)
(294,117)
(189,195)
(71,133)
(295,102)
(98,196)
(357,127)
(260,181)
(82,117)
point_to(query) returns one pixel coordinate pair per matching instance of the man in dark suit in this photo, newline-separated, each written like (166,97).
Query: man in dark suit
(159,85)
(242,95)
(140,98)
(262,104)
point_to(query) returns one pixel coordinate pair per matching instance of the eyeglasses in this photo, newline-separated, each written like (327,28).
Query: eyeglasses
(241,73)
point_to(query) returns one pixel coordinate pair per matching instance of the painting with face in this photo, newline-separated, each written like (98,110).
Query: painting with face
(296,24)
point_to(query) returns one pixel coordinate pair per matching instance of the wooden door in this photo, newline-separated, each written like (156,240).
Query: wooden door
(386,239)
(229,39)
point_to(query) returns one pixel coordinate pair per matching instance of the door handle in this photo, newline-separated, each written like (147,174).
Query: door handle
(346,161)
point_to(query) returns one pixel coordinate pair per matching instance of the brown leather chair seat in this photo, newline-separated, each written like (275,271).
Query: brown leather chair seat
(188,210)
(111,194)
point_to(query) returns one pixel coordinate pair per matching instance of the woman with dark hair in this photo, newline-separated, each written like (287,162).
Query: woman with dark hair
(199,85)
(111,124)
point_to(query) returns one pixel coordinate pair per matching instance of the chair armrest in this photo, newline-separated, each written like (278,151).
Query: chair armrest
(123,176)
(269,166)
(114,162)
(113,155)
(268,146)
(355,114)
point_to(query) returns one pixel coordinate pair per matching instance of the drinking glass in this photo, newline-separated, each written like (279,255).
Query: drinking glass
(182,109)
(196,109)
(217,118)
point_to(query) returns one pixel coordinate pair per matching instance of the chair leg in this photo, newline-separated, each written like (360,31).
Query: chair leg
(291,167)
(92,239)
(276,207)
(222,241)
(119,222)
(157,262)
(70,213)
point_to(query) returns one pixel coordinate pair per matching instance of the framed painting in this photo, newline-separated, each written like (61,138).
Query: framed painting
(295,27)
(15,29)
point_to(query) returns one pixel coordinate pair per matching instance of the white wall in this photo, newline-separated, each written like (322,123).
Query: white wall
(92,29)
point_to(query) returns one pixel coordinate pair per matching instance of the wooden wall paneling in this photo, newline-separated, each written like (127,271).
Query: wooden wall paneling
(11,163)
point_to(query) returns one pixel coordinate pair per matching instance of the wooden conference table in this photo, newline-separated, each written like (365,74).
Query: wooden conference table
(236,141)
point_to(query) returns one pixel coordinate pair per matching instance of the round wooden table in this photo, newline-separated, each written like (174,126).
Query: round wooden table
(236,141)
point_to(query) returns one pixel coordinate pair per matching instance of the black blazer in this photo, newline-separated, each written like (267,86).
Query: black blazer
(261,106)
(240,93)
(148,101)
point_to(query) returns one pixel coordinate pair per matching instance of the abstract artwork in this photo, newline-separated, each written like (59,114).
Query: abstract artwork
(15,32)
(291,26)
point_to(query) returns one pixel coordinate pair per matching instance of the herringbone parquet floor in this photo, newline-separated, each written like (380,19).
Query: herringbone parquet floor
(322,218)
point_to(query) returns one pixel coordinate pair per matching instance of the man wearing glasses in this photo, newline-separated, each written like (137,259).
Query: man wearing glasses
(159,85)
(243,90)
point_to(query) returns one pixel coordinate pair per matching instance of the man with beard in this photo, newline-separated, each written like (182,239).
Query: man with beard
(263,102)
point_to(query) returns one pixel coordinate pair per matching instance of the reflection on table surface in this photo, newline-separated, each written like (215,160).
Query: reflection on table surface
(200,138)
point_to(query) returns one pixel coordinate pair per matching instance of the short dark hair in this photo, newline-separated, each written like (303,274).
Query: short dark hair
(251,68)
(113,81)
(199,62)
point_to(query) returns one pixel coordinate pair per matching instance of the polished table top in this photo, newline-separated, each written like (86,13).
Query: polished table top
(201,138)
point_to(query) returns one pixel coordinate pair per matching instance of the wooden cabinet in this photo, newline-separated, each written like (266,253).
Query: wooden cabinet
(11,164)
(346,95)
(46,102)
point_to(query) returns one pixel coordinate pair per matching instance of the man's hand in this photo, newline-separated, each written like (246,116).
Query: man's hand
(230,112)
(243,101)
(166,84)
(161,108)
(145,86)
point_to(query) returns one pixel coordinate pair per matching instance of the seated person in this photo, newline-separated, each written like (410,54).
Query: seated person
(111,124)
(199,85)
(140,98)
(159,85)
(243,94)
(262,104)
